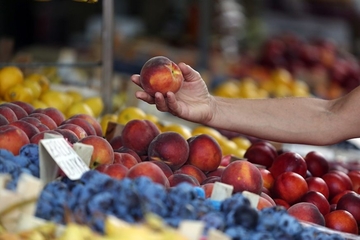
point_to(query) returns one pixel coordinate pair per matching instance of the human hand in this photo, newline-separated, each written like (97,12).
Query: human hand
(192,102)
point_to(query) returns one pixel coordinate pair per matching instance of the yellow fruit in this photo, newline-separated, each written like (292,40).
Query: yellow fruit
(19,92)
(10,76)
(79,107)
(105,119)
(96,104)
(182,130)
(228,89)
(241,142)
(38,104)
(34,87)
(41,79)
(207,130)
(282,76)
(76,96)
(130,113)
(56,99)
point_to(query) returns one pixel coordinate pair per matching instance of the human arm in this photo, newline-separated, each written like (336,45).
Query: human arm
(292,120)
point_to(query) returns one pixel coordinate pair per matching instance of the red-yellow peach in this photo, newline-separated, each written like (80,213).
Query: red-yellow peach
(150,170)
(308,212)
(204,152)
(341,220)
(289,186)
(169,147)
(137,135)
(192,171)
(160,74)
(243,175)
(92,120)
(12,138)
(288,162)
(103,152)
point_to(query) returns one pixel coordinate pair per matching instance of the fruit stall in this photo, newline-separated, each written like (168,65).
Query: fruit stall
(82,158)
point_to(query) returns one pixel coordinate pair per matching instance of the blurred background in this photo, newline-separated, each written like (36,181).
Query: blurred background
(243,48)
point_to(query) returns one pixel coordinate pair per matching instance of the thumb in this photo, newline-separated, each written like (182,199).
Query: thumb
(189,73)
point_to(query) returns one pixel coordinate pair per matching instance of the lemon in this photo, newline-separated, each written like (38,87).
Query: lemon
(130,113)
(10,76)
(56,99)
(79,108)
(105,119)
(34,87)
(241,142)
(96,104)
(19,92)
(207,130)
(76,96)
(38,104)
(41,79)
(182,130)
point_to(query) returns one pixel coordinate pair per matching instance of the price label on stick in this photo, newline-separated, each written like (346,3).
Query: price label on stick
(57,153)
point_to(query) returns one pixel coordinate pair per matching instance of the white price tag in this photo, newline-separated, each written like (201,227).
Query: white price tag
(56,152)
(191,229)
(253,198)
(221,191)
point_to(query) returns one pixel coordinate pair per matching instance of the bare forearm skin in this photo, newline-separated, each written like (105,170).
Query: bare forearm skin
(287,120)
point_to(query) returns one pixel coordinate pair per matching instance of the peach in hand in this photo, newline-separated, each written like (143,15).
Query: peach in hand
(160,74)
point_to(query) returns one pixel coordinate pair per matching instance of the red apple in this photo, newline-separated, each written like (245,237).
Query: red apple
(103,152)
(12,138)
(160,74)
(114,170)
